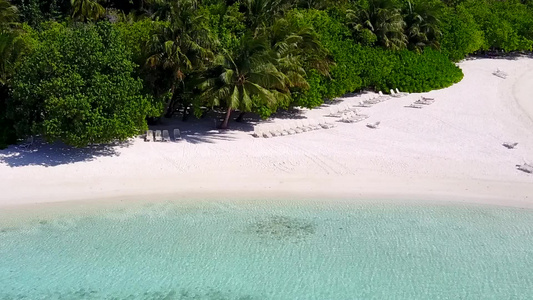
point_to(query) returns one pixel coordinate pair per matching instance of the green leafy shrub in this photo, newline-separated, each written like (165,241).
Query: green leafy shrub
(77,87)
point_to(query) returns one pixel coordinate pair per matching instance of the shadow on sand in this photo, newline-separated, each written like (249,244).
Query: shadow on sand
(50,155)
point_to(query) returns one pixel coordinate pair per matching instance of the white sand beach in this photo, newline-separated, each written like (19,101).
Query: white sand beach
(450,150)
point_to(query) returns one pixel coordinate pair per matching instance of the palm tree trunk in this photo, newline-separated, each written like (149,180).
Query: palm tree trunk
(169,111)
(224,124)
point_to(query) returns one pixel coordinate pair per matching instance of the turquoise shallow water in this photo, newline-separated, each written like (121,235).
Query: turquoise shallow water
(272,251)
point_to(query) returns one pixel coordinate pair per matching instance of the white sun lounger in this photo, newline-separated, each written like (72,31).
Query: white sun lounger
(314,124)
(258,132)
(334,112)
(166,136)
(158,137)
(525,168)
(325,124)
(394,94)
(307,125)
(177,135)
(289,129)
(400,93)
(363,104)
(296,127)
(510,145)
(373,125)
(414,105)
(301,126)
(149,136)
(500,74)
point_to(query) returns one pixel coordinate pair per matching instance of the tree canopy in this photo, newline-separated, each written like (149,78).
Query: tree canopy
(94,71)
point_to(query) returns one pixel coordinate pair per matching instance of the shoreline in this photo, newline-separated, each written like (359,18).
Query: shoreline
(449,152)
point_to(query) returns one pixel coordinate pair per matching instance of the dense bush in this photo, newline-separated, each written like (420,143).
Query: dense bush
(77,86)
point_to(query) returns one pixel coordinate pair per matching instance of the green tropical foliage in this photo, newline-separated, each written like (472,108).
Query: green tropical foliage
(77,86)
(87,10)
(246,75)
(91,71)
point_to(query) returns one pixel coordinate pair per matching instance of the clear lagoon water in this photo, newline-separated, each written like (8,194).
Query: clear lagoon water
(272,251)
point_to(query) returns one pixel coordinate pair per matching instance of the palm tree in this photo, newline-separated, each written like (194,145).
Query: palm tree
(244,77)
(383,19)
(183,47)
(422,20)
(8,15)
(261,13)
(87,10)
(297,47)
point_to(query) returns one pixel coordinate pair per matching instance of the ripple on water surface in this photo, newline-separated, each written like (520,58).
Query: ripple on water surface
(260,251)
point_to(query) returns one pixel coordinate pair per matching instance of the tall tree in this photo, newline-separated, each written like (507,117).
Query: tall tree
(246,76)
(182,47)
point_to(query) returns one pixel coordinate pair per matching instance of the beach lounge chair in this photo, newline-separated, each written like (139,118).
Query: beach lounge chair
(295,127)
(394,94)
(425,101)
(400,93)
(166,136)
(301,126)
(28,144)
(510,145)
(157,136)
(500,74)
(383,97)
(258,132)
(314,124)
(273,130)
(334,112)
(177,135)
(427,98)
(525,168)
(289,129)
(363,104)
(267,134)
(414,105)
(149,136)
(306,124)
(373,125)
(325,124)
(346,108)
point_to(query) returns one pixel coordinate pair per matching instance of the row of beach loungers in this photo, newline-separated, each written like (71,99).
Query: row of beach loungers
(268,131)
(380,97)
(161,135)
